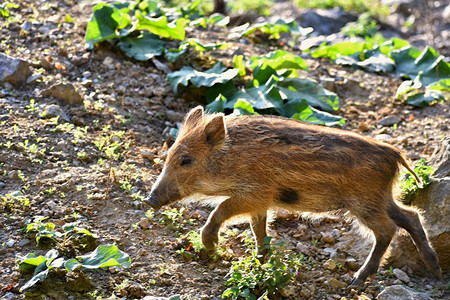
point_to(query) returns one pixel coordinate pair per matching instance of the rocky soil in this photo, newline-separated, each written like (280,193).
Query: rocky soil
(84,138)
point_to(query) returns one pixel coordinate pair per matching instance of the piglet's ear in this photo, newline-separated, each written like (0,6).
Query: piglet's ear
(215,130)
(195,116)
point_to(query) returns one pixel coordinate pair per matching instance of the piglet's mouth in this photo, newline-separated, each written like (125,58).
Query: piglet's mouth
(153,202)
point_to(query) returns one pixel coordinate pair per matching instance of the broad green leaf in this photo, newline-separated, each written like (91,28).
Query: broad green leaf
(227,89)
(441,85)
(208,78)
(107,22)
(314,116)
(262,73)
(275,29)
(242,107)
(375,61)
(142,48)
(393,44)
(174,54)
(266,96)
(205,47)
(31,259)
(159,26)
(36,277)
(238,63)
(340,49)
(279,60)
(405,61)
(407,86)
(217,105)
(103,256)
(299,89)
(424,99)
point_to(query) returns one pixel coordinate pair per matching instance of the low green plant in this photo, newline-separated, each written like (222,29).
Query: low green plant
(15,200)
(409,185)
(375,7)
(101,257)
(251,279)
(46,230)
(364,26)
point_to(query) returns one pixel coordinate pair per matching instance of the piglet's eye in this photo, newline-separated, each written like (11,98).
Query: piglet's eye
(185,161)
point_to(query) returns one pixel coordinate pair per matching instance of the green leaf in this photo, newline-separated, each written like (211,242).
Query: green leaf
(407,86)
(266,96)
(159,26)
(103,256)
(238,63)
(441,85)
(142,48)
(31,259)
(314,116)
(174,54)
(242,107)
(217,105)
(208,78)
(107,22)
(424,99)
(299,89)
(279,60)
(340,49)
(37,277)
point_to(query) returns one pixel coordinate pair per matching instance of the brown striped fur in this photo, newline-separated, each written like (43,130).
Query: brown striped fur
(268,162)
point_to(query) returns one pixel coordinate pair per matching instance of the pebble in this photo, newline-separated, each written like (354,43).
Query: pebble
(144,223)
(2,184)
(24,242)
(327,237)
(65,92)
(389,120)
(351,263)
(336,284)
(10,243)
(148,155)
(383,137)
(330,265)
(401,275)
(108,61)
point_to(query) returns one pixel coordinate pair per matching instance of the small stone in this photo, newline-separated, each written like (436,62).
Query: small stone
(351,264)
(327,237)
(148,155)
(400,292)
(65,92)
(87,83)
(305,293)
(13,70)
(108,62)
(383,137)
(144,223)
(363,126)
(330,265)
(142,252)
(78,121)
(54,110)
(401,275)
(160,91)
(389,120)
(10,243)
(336,284)
(328,83)
(2,185)
(45,63)
(112,270)
(24,242)
(33,78)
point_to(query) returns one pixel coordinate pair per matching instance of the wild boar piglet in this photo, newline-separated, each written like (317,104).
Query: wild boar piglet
(259,163)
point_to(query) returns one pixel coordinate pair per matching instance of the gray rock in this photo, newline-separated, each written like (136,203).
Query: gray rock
(65,92)
(54,110)
(24,242)
(401,292)
(13,70)
(336,284)
(389,120)
(401,275)
(434,202)
(326,21)
(10,243)
(2,184)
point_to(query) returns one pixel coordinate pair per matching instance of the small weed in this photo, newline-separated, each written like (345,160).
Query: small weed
(409,184)
(249,279)
(32,106)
